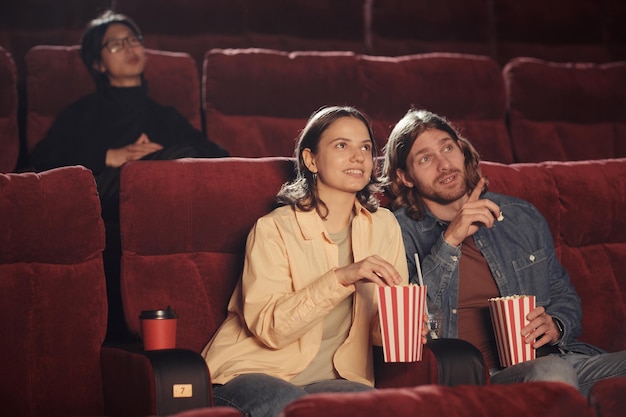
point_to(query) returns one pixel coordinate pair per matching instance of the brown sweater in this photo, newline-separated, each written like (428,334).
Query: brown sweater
(476,286)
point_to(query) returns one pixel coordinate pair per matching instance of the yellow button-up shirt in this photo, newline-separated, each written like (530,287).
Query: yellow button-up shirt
(288,285)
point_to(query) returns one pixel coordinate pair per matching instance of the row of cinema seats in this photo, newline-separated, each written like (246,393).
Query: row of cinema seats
(53,292)
(558,30)
(254,101)
(52,288)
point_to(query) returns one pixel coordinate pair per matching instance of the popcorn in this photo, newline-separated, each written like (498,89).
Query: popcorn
(508,315)
(401,312)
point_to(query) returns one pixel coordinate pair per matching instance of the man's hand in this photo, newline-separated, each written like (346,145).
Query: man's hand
(143,146)
(541,329)
(474,213)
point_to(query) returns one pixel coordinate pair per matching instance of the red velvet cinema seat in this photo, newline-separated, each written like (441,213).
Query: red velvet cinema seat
(56,77)
(399,27)
(516,400)
(188,252)
(583,203)
(556,30)
(52,288)
(197,26)
(256,101)
(9,136)
(607,397)
(467,89)
(209,412)
(566,112)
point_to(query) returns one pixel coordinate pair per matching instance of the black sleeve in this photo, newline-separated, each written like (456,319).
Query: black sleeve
(71,140)
(186,134)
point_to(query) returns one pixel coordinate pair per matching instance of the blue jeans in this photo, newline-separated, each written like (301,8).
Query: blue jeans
(260,395)
(579,370)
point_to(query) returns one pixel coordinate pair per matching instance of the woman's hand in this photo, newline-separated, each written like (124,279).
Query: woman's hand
(373,268)
(119,156)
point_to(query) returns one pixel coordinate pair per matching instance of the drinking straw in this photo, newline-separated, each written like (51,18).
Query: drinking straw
(420,280)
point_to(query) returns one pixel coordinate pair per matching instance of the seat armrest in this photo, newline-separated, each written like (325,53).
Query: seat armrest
(162,382)
(458,362)
(444,362)
(404,374)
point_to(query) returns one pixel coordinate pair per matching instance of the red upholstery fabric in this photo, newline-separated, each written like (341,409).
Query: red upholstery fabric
(29,23)
(583,203)
(614,15)
(190,26)
(239,85)
(257,101)
(57,77)
(52,287)
(408,27)
(516,400)
(579,30)
(558,30)
(9,136)
(593,244)
(188,253)
(129,383)
(210,412)
(607,397)
(566,112)
(312,25)
(198,26)
(467,89)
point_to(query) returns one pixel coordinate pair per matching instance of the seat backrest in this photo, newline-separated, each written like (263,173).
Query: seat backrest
(558,30)
(553,399)
(53,290)
(467,89)
(57,77)
(400,27)
(197,26)
(614,15)
(9,136)
(188,252)
(257,101)
(583,203)
(566,112)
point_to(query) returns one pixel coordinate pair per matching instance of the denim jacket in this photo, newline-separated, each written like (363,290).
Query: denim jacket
(520,254)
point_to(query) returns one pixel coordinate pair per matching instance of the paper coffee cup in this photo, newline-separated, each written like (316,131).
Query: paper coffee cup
(401,312)
(158,329)
(508,315)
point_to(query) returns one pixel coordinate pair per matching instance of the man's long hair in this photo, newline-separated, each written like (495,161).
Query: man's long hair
(401,140)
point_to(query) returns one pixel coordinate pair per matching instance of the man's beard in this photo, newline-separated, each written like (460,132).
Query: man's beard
(442,195)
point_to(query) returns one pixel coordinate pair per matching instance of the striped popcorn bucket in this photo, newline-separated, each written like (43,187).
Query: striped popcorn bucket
(508,315)
(401,311)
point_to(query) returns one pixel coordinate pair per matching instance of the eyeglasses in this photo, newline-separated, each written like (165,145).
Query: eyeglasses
(116,45)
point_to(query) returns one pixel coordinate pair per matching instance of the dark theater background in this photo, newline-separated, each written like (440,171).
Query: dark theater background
(539,87)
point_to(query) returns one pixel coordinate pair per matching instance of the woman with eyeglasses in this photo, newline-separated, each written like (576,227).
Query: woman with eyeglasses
(116,124)
(119,122)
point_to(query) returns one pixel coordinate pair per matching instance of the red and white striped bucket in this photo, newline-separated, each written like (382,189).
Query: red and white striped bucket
(401,311)
(508,315)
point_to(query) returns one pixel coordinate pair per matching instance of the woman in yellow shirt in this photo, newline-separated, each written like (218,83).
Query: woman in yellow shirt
(304,315)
